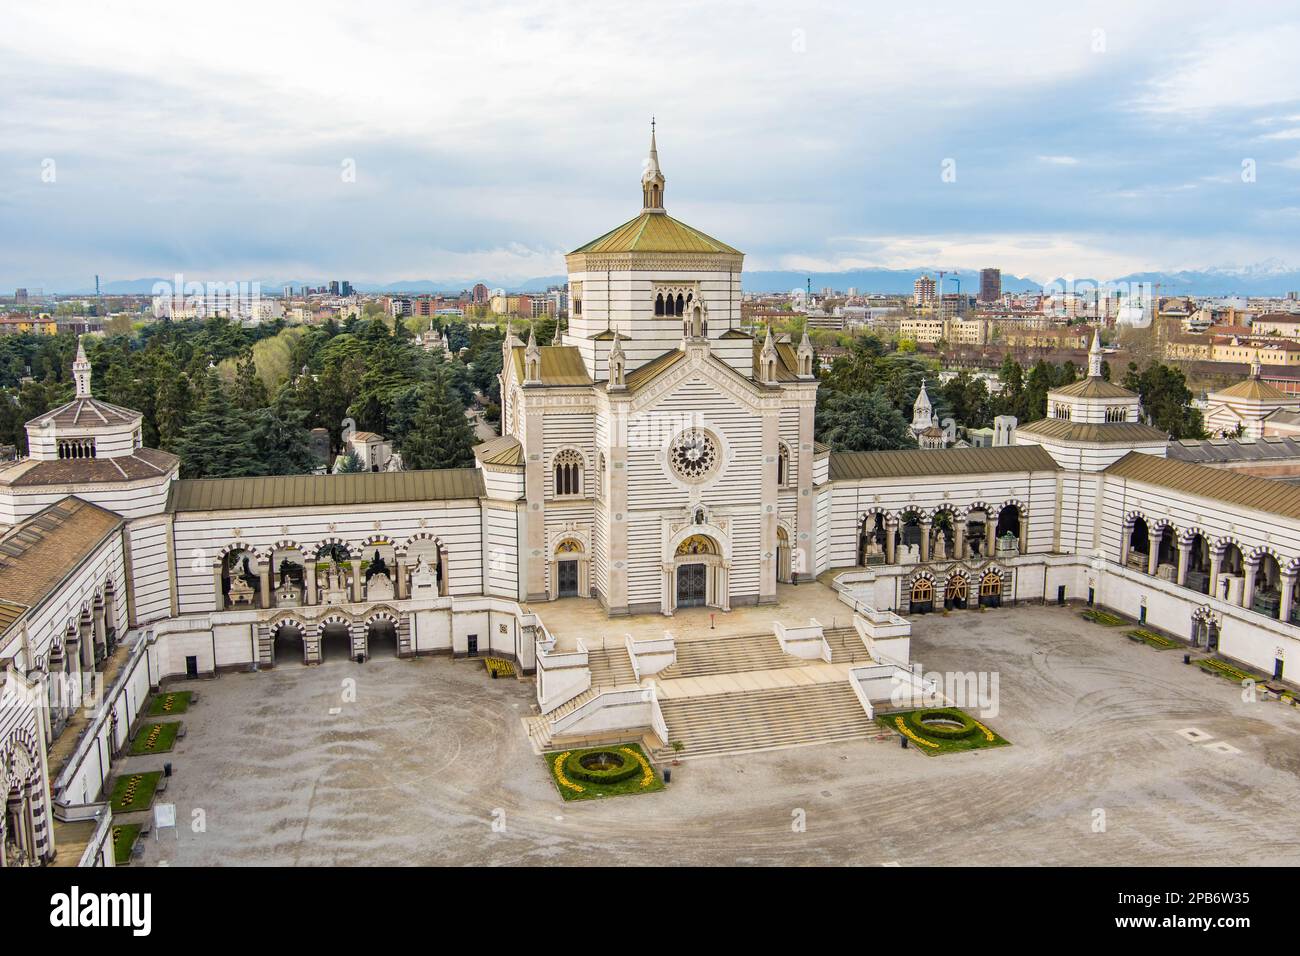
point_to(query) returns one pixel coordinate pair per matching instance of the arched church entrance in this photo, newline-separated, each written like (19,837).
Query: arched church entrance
(698,574)
(956,592)
(782,556)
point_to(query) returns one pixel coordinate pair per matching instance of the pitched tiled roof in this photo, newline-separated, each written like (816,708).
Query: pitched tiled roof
(1218,484)
(1092,388)
(504,450)
(38,553)
(144,463)
(303,491)
(84,412)
(562,365)
(1252,389)
(655,232)
(917,462)
(1268,448)
(643,375)
(1108,433)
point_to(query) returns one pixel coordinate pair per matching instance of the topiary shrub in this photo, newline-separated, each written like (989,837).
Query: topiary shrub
(587,766)
(917,721)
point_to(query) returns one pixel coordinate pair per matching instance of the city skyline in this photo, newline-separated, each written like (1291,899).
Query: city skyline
(871,140)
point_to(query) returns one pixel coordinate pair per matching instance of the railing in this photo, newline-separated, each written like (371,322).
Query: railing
(606,698)
(663,649)
(103,833)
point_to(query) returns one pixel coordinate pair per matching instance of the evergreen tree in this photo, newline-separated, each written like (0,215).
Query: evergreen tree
(863,421)
(442,436)
(281,442)
(215,443)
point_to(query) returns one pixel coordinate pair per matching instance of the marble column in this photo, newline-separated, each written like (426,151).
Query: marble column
(891,531)
(1024,533)
(356,580)
(990,532)
(309,581)
(1288,596)
(1184,559)
(1153,556)
(264,576)
(926,524)
(401,577)
(1216,567)
(1248,588)
(959,538)
(1125,534)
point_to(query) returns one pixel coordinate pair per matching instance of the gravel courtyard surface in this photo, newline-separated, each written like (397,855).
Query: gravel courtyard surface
(429,765)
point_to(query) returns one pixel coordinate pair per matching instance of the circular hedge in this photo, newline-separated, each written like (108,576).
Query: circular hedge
(966,726)
(623,767)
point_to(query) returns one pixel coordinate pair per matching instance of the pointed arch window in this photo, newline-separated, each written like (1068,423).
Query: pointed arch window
(783,465)
(568,473)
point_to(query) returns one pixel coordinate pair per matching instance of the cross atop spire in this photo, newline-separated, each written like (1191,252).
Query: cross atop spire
(652,180)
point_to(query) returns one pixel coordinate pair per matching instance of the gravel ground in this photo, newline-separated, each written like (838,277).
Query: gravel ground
(428,764)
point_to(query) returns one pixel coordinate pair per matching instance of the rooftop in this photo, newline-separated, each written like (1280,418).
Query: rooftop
(1124,433)
(305,491)
(655,232)
(917,462)
(1232,487)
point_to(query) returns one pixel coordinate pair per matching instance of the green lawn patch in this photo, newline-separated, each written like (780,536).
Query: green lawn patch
(166,705)
(1151,639)
(156,738)
(1212,665)
(596,772)
(942,730)
(1104,618)
(124,837)
(134,791)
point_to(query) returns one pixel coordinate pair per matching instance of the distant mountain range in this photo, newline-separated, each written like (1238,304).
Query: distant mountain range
(1264,279)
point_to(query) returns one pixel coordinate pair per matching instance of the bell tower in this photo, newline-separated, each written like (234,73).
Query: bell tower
(652,180)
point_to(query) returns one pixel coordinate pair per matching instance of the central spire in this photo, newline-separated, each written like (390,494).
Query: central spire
(1095,356)
(652,180)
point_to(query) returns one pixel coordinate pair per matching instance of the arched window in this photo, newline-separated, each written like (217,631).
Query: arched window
(1116,413)
(600,475)
(568,473)
(782,465)
(659,304)
(680,306)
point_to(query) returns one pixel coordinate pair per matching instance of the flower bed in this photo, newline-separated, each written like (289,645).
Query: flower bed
(1151,639)
(124,837)
(499,667)
(1104,618)
(579,776)
(134,792)
(928,735)
(1212,665)
(156,738)
(165,705)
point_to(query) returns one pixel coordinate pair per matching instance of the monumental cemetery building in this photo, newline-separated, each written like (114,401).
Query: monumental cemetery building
(655,460)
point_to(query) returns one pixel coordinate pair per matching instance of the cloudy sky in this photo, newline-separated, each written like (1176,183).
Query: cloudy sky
(385,141)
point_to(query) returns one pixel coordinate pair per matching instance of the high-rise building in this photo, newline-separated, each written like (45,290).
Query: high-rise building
(923,292)
(345,288)
(334,287)
(990,285)
(20,296)
(480,294)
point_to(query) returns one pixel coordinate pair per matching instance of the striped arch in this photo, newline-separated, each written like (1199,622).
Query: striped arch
(379,540)
(1156,526)
(1015,503)
(1257,553)
(334,617)
(1131,518)
(225,550)
(290,619)
(953,510)
(1206,614)
(333,542)
(404,547)
(381,613)
(1188,535)
(285,544)
(1292,566)
(1220,545)
(20,737)
(964,513)
(917,576)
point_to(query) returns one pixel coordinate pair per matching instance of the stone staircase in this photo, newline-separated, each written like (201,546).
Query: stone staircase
(768,719)
(728,655)
(610,667)
(846,646)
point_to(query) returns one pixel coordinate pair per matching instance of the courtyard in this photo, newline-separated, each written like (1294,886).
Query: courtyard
(425,762)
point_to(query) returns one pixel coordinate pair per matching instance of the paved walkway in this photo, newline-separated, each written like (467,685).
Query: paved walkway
(571,619)
(798,674)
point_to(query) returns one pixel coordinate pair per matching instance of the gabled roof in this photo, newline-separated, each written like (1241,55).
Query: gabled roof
(316,491)
(36,554)
(1268,448)
(919,462)
(787,364)
(504,450)
(562,365)
(1218,484)
(655,232)
(643,375)
(1097,433)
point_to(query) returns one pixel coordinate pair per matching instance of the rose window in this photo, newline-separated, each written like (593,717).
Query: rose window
(693,455)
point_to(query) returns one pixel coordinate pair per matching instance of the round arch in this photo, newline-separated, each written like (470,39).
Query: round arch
(696,569)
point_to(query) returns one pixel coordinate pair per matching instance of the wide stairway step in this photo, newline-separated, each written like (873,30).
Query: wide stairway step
(764,719)
(610,667)
(729,655)
(846,646)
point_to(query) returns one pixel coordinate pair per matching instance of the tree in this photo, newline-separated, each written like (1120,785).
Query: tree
(442,436)
(215,443)
(863,421)
(1166,399)
(280,441)
(349,463)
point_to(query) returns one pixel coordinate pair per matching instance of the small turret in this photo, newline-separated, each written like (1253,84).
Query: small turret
(532,361)
(1094,357)
(767,359)
(81,370)
(805,356)
(652,180)
(617,364)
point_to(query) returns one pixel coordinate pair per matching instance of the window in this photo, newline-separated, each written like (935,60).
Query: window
(694,455)
(1116,413)
(600,476)
(76,448)
(783,465)
(568,473)
(1061,410)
